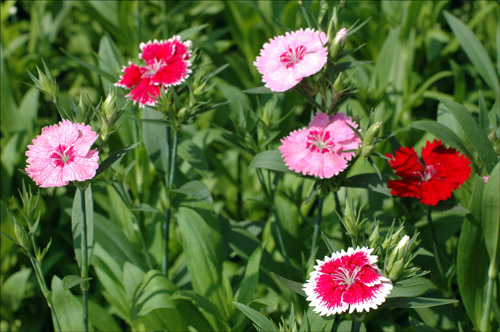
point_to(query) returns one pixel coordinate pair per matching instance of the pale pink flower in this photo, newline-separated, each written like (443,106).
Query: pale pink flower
(286,60)
(341,36)
(62,154)
(167,63)
(485,178)
(319,150)
(347,281)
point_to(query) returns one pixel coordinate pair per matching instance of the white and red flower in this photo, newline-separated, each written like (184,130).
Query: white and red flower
(347,281)
(167,63)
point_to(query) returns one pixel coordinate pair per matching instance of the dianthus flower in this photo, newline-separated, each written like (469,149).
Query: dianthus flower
(286,60)
(319,150)
(444,171)
(62,154)
(167,63)
(347,281)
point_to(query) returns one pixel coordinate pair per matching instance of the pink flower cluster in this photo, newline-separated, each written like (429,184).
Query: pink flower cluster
(347,281)
(319,150)
(286,60)
(62,154)
(167,63)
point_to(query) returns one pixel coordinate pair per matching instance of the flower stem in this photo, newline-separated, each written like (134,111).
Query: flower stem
(143,243)
(316,226)
(85,265)
(435,246)
(44,289)
(492,275)
(168,211)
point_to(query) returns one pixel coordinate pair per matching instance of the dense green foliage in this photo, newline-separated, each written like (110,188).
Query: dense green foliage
(241,223)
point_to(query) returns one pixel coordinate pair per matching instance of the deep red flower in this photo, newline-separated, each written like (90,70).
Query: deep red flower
(167,63)
(444,171)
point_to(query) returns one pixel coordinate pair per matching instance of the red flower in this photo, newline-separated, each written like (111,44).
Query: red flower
(167,63)
(444,171)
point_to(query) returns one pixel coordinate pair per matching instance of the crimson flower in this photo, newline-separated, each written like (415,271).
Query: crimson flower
(444,171)
(347,281)
(167,63)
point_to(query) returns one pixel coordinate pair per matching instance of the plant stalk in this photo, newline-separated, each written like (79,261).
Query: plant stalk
(85,265)
(435,246)
(316,226)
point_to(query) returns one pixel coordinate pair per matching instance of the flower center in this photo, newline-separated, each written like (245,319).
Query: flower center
(320,141)
(344,276)
(292,56)
(427,174)
(62,155)
(153,68)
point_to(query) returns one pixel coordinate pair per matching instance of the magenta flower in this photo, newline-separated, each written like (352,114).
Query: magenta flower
(167,63)
(320,149)
(347,281)
(62,154)
(286,60)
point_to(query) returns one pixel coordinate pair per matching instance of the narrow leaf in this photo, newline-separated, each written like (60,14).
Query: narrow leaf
(474,133)
(414,302)
(270,160)
(76,223)
(90,66)
(258,90)
(293,285)
(156,139)
(114,157)
(73,280)
(262,322)
(491,215)
(196,189)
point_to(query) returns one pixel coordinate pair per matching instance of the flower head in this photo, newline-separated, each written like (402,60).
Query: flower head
(285,60)
(62,154)
(444,171)
(167,63)
(319,150)
(347,281)
(485,178)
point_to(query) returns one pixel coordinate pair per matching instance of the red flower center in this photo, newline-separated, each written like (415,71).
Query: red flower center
(62,155)
(320,141)
(292,56)
(152,68)
(344,276)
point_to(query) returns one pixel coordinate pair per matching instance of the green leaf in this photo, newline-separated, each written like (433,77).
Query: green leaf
(421,327)
(313,322)
(475,51)
(156,140)
(90,66)
(188,33)
(101,318)
(196,189)
(114,157)
(262,322)
(472,257)
(414,302)
(153,293)
(194,155)
(76,223)
(443,133)
(109,59)
(73,280)
(201,241)
(250,280)
(293,285)
(132,277)
(258,90)
(270,160)
(491,215)
(412,287)
(474,133)
(484,120)
(14,290)
(68,308)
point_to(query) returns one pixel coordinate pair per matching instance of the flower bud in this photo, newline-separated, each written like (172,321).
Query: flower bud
(47,85)
(373,239)
(372,133)
(21,235)
(349,220)
(394,271)
(338,85)
(337,44)
(109,106)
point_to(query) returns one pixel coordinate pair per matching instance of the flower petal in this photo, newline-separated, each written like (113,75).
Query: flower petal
(132,76)
(406,163)
(145,93)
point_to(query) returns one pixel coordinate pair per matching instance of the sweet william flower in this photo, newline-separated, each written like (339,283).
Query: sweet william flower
(319,150)
(286,60)
(62,154)
(443,172)
(167,63)
(347,281)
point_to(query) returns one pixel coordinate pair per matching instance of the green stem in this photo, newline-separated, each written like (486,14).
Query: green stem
(355,326)
(337,204)
(492,274)
(85,265)
(44,289)
(435,246)
(143,243)
(168,211)
(316,227)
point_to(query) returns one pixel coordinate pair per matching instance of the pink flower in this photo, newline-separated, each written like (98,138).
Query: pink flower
(285,60)
(61,154)
(347,281)
(341,36)
(485,178)
(320,149)
(167,63)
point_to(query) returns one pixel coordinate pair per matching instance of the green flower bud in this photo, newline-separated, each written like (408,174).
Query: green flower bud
(395,270)
(338,85)
(372,133)
(47,85)
(21,235)
(373,239)
(109,106)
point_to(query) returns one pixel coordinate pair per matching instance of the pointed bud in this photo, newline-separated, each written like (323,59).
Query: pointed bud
(109,106)
(337,44)
(338,85)
(372,133)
